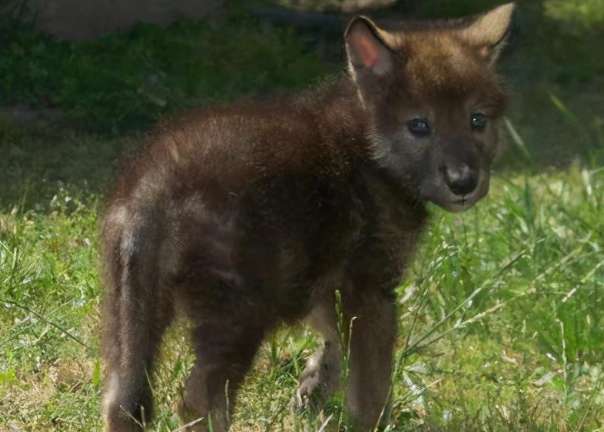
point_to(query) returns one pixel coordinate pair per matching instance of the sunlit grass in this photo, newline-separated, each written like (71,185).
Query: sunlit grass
(500,319)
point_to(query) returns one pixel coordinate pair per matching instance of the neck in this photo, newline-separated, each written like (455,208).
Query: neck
(340,108)
(339,115)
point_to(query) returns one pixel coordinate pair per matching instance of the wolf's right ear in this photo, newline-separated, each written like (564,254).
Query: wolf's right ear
(366,49)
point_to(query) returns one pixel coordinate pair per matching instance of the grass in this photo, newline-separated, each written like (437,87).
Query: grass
(501,323)
(152,71)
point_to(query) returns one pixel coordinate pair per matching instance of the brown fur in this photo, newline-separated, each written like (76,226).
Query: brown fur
(250,215)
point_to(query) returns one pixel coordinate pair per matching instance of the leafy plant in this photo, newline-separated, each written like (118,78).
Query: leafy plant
(127,80)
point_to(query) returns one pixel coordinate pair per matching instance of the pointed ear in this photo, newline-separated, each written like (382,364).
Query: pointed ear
(366,49)
(488,32)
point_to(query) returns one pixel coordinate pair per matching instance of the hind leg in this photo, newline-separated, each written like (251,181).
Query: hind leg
(321,376)
(225,350)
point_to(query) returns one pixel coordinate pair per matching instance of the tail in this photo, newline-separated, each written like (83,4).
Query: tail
(134,316)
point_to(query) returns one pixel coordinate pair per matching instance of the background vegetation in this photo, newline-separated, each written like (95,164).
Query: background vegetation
(501,317)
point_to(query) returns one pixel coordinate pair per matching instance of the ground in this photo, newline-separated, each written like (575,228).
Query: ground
(501,323)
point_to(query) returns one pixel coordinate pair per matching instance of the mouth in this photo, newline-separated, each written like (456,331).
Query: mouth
(458,205)
(443,197)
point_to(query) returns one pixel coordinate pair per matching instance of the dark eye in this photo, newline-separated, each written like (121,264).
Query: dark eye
(419,127)
(478,121)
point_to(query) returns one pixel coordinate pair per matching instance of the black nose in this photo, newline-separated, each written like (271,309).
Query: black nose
(462,180)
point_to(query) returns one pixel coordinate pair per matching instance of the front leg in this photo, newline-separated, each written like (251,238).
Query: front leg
(372,323)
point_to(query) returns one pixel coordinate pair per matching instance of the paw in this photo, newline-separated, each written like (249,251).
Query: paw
(317,384)
(309,386)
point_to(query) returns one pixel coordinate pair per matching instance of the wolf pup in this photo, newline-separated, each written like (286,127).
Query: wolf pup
(250,215)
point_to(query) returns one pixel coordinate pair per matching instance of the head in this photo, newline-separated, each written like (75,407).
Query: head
(434,100)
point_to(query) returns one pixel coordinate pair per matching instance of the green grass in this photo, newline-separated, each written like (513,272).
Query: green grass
(127,81)
(501,322)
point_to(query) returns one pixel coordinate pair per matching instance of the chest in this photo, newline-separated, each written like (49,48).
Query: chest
(392,228)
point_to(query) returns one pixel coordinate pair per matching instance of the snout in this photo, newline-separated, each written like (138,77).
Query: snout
(461,180)
(456,187)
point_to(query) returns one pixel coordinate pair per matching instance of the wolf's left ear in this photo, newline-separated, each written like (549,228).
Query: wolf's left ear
(488,32)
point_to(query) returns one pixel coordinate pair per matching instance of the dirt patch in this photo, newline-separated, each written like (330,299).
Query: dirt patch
(87,19)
